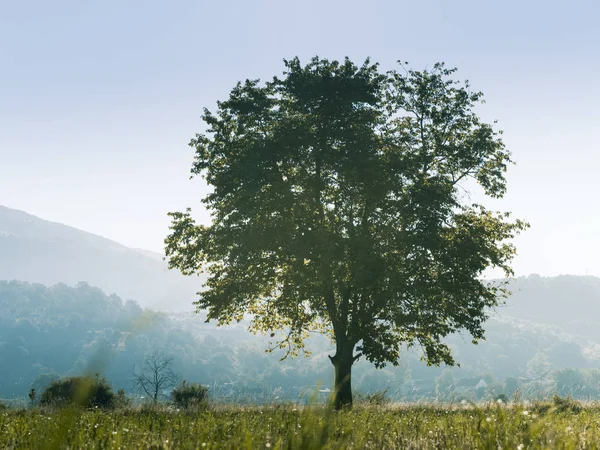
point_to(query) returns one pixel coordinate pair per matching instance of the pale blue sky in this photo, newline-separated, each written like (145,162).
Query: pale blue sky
(98,100)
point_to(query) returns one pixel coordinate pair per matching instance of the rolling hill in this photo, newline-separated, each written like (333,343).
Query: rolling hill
(37,250)
(40,251)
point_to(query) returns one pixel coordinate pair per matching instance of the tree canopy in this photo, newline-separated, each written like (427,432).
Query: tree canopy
(337,207)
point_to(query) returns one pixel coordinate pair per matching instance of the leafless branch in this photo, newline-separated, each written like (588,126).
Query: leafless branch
(156,375)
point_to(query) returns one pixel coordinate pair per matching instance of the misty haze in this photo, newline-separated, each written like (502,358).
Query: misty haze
(309,225)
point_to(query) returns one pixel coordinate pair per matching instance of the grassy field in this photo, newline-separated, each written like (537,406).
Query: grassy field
(494,426)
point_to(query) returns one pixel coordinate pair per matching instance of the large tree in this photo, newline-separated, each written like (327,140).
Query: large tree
(338,206)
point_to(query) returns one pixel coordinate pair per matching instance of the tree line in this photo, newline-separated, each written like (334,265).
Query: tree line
(47,333)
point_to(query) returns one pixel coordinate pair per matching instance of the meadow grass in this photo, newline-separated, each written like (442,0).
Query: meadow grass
(491,426)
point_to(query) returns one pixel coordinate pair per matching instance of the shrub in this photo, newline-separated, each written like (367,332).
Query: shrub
(502,397)
(88,392)
(3,406)
(566,404)
(372,398)
(121,400)
(378,398)
(541,407)
(190,395)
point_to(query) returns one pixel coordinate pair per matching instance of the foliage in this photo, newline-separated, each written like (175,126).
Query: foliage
(566,404)
(502,398)
(337,207)
(393,427)
(122,401)
(190,395)
(32,394)
(374,398)
(46,333)
(85,391)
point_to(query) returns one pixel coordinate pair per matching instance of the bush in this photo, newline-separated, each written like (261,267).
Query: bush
(3,406)
(88,392)
(372,398)
(566,404)
(190,395)
(378,398)
(557,405)
(121,400)
(502,397)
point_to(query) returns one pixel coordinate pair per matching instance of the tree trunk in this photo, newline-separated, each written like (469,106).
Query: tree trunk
(342,361)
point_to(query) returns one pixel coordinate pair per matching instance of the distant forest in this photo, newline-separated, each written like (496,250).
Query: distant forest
(545,341)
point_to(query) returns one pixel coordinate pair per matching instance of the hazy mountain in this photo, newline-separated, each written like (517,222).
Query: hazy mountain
(36,250)
(569,302)
(150,254)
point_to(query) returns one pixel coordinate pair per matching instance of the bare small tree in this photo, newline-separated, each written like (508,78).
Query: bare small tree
(156,375)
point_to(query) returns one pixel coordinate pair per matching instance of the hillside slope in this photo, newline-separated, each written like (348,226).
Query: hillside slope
(36,250)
